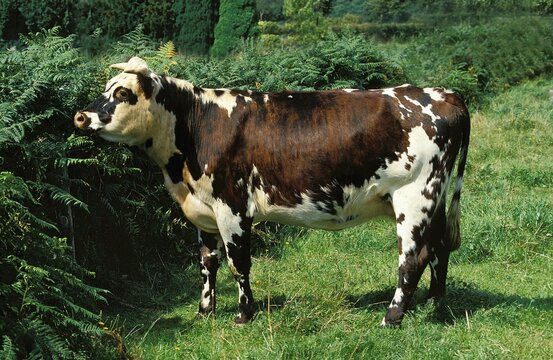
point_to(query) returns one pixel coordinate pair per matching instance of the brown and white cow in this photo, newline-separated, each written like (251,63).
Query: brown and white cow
(319,159)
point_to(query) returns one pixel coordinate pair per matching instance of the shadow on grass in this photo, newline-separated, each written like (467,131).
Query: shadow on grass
(462,299)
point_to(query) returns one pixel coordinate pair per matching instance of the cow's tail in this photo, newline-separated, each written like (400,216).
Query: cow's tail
(453,233)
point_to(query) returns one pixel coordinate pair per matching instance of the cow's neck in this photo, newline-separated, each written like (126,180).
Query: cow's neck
(172,145)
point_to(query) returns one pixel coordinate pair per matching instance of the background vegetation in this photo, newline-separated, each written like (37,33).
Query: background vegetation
(94,254)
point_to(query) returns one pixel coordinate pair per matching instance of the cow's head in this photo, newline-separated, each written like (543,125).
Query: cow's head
(123,113)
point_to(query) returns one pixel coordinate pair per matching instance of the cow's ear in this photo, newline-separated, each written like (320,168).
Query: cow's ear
(135,65)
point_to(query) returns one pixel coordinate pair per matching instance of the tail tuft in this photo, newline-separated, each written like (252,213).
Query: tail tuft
(453,229)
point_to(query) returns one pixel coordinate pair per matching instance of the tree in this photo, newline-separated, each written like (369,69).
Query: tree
(195,25)
(236,21)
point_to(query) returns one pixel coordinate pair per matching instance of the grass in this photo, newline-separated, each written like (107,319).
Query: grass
(322,295)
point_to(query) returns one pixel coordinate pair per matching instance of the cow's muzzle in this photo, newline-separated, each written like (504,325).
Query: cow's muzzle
(81,120)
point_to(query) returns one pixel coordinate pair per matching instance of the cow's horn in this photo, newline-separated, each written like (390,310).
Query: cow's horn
(134,65)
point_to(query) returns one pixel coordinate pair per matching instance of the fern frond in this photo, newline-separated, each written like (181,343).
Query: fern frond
(167,50)
(46,340)
(63,197)
(8,351)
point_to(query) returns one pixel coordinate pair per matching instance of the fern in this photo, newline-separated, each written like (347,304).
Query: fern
(8,351)
(63,197)
(167,50)
(45,303)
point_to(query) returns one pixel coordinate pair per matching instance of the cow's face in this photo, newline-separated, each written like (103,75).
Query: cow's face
(123,112)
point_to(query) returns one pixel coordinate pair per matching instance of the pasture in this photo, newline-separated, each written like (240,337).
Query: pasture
(322,295)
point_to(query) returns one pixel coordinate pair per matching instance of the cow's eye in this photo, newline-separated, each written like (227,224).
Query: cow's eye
(122,94)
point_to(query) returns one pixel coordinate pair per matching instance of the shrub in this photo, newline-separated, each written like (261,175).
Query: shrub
(336,61)
(47,308)
(51,183)
(236,22)
(485,58)
(195,25)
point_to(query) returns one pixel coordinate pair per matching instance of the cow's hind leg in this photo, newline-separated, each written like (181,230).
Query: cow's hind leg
(211,252)
(439,254)
(413,214)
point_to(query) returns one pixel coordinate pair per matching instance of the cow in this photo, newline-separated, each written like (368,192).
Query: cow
(327,159)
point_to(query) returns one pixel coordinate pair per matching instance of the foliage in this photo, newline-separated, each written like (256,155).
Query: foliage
(388,10)
(269,9)
(306,20)
(195,25)
(51,183)
(44,14)
(46,304)
(45,308)
(117,18)
(306,9)
(336,61)
(351,7)
(236,22)
(485,58)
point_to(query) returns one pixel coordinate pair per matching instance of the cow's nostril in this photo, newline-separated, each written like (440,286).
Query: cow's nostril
(81,120)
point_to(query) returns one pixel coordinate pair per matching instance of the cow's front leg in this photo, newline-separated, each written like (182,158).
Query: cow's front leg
(211,252)
(235,231)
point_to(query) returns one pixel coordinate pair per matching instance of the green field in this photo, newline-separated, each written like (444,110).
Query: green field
(322,295)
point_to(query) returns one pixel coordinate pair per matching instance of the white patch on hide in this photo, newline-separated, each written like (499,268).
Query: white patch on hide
(424,109)
(227,222)
(389,92)
(398,297)
(225,100)
(434,94)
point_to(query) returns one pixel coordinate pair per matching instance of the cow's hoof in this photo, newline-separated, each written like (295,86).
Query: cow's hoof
(393,318)
(204,312)
(242,319)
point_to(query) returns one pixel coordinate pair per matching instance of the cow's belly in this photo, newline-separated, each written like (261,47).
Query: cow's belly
(195,210)
(361,205)
(199,214)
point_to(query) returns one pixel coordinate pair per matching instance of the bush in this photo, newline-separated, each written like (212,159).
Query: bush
(485,58)
(236,22)
(47,309)
(336,61)
(52,181)
(195,25)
